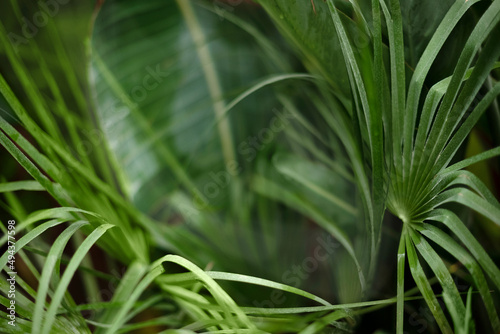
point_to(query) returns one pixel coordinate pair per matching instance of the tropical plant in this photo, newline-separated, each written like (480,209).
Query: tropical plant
(303,171)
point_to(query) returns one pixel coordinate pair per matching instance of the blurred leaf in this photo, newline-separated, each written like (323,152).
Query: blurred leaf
(161,78)
(313,34)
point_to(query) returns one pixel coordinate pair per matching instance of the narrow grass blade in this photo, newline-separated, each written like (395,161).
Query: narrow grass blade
(398,85)
(321,323)
(452,247)
(32,169)
(468,322)
(20,243)
(128,283)
(457,10)
(451,296)
(53,256)
(473,201)
(451,220)
(68,274)
(20,185)
(425,288)
(494,152)
(187,278)
(222,298)
(466,178)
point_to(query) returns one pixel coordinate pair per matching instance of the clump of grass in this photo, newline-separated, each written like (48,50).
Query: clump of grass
(153,161)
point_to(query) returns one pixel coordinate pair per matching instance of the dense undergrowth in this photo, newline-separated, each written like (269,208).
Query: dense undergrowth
(237,167)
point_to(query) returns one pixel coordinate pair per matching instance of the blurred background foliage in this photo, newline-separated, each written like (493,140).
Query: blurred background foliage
(222,192)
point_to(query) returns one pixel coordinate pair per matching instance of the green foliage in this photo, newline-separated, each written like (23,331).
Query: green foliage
(249,139)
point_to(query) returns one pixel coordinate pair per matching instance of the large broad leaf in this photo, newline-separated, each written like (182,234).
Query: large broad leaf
(161,74)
